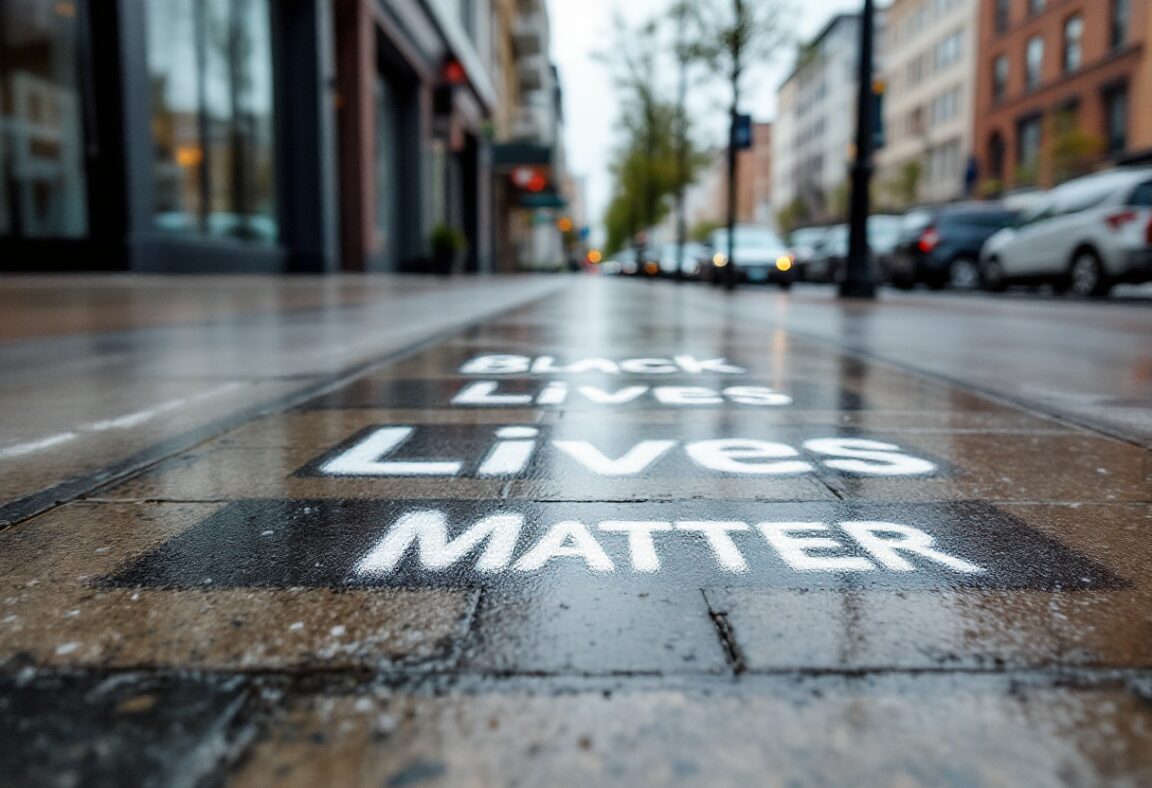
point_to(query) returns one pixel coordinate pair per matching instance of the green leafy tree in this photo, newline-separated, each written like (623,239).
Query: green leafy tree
(656,157)
(732,38)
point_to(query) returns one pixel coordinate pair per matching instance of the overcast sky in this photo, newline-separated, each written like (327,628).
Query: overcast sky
(583,27)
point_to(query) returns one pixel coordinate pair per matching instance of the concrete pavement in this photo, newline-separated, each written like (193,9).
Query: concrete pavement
(621,533)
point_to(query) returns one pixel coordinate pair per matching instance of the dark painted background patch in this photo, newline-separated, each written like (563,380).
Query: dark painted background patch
(538,392)
(268,543)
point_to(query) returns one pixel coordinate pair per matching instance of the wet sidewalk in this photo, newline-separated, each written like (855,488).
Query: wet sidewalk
(608,532)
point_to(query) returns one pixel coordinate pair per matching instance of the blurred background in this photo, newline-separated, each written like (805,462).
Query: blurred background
(459,136)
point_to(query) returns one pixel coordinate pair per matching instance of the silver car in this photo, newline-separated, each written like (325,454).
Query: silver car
(1084,236)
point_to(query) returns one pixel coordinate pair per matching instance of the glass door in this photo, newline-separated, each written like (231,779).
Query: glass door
(43,171)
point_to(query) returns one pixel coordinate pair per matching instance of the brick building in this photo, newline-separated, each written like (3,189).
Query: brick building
(1061,88)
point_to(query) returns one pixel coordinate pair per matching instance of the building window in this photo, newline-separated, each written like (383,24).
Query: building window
(996,157)
(1034,67)
(43,180)
(1121,21)
(1003,15)
(1073,39)
(948,51)
(1000,78)
(1028,139)
(210,63)
(1035,7)
(1116,118)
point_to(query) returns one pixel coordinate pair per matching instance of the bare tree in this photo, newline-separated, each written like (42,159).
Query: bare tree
(734,37)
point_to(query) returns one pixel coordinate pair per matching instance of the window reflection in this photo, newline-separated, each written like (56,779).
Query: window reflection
(42,177)
(210,63)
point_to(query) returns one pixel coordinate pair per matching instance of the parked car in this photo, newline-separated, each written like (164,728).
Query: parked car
(1084,236)
(695,256)
(829,261)
(829,255)
(940,247)
(802,244)
(761,256)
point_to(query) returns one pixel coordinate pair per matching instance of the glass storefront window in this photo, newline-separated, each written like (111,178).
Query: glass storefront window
(210,63)
(43,184)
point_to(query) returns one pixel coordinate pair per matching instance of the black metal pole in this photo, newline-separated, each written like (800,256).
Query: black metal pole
(681,139)
(858,280)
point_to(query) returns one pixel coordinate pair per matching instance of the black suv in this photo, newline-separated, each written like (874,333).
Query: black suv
(940,247)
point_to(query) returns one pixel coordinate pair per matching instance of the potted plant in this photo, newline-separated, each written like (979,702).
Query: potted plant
(448,244)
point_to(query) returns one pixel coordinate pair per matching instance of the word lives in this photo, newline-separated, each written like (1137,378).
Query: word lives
(523,451)
(498,391)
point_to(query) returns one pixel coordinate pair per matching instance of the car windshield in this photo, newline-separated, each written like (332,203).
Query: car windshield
(807,237)
(746,237)
(755,236)
(883,229)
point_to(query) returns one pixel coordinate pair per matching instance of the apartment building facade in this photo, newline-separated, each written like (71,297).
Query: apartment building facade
(929,85)
(1061,89)
(812,140)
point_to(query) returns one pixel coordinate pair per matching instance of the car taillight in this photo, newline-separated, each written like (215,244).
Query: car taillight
(1117,220)
(929,240)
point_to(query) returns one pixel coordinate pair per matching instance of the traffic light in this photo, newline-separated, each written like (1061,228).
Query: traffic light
(879,135)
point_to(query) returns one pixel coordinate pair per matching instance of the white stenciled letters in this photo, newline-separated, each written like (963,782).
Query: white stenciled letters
(428,531)
(512,453)
(686,395)
(872,458)
(648,366)
(732,455)
(718,366)
(885,542)
(621,397)
(794,548)
(497,365)
(483,392)
(635,461)
(566,539)
(640,544)
(365,458)
(757,395)
(719,539)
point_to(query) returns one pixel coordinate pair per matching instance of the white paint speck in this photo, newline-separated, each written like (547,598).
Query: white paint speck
(297,626)
(337,631)
(66,648)
(267,533)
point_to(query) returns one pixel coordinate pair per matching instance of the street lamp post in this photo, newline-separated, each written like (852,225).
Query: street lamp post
(858,280)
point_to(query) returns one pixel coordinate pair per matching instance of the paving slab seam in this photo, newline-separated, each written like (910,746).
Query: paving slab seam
(1018,403)
(29,506)
(344,681)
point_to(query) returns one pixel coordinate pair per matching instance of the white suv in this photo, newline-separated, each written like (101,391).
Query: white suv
(1083,236)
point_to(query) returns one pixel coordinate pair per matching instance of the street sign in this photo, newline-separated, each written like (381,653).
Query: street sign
(742,132)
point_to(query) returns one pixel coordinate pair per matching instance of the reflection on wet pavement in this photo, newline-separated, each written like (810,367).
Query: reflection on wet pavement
(615,534)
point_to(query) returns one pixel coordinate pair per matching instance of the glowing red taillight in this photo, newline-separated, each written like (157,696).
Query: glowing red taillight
(1117,220)
(929,240)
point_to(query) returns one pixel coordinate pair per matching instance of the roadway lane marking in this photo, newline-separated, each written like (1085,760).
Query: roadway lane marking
(124,422)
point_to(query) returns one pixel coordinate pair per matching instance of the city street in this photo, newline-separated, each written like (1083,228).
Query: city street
(571,530)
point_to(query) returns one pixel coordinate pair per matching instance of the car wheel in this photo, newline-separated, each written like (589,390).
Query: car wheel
(964,274)
(1086,276)
(992,276)
(785,284)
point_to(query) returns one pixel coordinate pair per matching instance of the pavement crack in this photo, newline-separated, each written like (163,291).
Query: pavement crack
(732,653)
